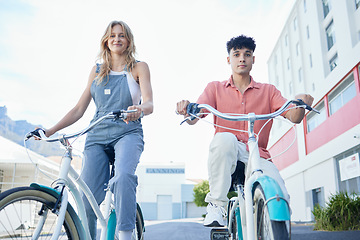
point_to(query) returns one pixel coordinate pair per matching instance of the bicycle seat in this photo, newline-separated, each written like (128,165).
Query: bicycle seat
(110,152)
(238,177)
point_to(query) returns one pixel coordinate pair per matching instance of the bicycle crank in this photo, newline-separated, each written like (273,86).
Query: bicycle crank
(219,234)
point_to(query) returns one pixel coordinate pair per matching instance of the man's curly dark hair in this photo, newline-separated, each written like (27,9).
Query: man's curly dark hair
(240,42)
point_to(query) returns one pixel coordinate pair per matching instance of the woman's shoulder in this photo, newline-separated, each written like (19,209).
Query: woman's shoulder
(140,65)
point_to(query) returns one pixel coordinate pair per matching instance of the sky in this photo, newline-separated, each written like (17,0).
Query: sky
(47,49)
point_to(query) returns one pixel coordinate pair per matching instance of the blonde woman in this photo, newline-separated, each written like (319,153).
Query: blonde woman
(117,82)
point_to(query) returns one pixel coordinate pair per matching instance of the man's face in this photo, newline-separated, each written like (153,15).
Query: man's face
(241,60)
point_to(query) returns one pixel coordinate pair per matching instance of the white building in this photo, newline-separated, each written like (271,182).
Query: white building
(20,168)
(163,192)
(318,52)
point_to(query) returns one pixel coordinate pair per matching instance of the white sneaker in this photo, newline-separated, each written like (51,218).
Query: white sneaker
(215,216)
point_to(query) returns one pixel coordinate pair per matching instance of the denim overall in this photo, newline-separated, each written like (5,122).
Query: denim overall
(127,140)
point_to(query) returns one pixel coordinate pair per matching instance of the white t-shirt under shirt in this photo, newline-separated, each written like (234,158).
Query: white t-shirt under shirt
(134,87)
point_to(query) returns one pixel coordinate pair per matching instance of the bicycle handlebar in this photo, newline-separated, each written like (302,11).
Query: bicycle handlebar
(40,133)
(193,109)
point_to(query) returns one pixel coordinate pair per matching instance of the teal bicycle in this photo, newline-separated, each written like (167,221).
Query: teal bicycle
(260,210)
(42,212)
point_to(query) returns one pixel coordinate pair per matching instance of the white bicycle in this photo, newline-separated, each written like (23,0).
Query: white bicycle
(42,212)
(260,210)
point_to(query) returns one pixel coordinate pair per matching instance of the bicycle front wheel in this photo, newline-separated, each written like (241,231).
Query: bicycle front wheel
(139,225)
(26,213)
(267,229)
(234,223)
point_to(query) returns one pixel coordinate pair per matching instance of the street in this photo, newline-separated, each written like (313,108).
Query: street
(190,229)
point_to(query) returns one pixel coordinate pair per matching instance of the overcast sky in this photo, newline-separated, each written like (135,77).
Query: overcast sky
(47,49)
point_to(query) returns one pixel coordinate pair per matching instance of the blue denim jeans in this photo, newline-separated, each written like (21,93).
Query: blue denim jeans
(123,185)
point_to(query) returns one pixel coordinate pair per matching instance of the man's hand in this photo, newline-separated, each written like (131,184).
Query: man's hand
(181,107)
(307,98)
(296,115)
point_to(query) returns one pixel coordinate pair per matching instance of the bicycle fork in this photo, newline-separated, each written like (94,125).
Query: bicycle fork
(110,218)
(238,208)
(62,201)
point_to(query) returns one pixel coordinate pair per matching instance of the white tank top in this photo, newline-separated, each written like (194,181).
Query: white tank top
(133,86)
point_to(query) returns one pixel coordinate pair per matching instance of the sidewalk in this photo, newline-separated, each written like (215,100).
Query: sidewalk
(306,232)
(192,228)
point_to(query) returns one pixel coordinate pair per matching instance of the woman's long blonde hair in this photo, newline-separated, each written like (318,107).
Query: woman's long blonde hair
(105,54)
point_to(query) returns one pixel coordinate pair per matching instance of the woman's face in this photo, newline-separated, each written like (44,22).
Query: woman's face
(117,42)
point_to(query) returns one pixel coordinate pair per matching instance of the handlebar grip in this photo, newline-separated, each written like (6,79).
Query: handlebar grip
(192,108)
(35,133)
(307,107)
(123,113)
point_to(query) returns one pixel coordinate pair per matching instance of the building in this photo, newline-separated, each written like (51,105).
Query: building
(163,192)
(318,52)
(20,167)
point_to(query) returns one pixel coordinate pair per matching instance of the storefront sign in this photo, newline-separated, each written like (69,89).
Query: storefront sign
(349,167)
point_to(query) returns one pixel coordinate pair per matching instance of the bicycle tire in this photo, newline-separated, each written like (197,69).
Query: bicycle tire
(265,228)
(139,225)
(18,224)
(234,230)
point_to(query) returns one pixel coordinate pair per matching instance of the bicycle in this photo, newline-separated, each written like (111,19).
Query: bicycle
(260,209)
(39,212)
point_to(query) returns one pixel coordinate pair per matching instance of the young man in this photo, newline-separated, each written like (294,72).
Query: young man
(239,94)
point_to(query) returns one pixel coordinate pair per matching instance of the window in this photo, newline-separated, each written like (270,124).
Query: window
(307,32)
(310,61)
(295,24)
(286,40)
(313,119)
(357,4)
(333,62)
(297,49)
(342,94)
(300,75)
(305,9)
(288,63)
(290,88)
(330,35)
(326,7)
(1,179)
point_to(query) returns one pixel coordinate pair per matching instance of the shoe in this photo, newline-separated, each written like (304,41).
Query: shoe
(215,216)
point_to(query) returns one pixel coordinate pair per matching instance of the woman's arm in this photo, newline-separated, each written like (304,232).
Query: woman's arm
(78,111)
(141,74)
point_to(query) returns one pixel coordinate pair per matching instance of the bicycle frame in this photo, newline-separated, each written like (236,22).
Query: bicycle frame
(278,206)
(67,177)
(243,205)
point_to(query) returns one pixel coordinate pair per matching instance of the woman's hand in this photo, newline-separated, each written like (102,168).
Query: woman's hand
(133,116)
(46,132)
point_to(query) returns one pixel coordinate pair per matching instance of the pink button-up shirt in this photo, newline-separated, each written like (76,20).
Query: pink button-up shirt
(259,98)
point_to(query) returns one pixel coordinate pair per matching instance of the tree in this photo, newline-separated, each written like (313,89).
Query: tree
(200,191)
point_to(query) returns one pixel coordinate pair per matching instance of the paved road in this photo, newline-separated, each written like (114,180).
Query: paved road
(306,232)
(192,229)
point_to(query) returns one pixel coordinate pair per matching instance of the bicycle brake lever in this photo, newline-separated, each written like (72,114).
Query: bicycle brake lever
(188,118)
(307,107)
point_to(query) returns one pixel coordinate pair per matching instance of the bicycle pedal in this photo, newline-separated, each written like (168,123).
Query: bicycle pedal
(219,234)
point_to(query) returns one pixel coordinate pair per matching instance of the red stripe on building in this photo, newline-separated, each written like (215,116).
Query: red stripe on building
(290,156)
